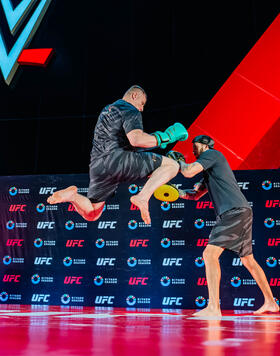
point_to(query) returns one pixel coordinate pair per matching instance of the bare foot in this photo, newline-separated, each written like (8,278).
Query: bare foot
(143,206)
(271,307)
(208,312)
(62,196)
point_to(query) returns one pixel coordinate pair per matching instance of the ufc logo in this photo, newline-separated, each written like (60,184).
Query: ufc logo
(101,261)
(202,242)
(73,243)
(104,299)
(42,260)
(172,300)
(45,225)
(133,207)
(14,242)
(273,242)
(106,225)
(172,261)
(204,205)
(236,261)
(40,298)
(241,302)
(17,207)
(11,278)
(72,280)
(138,280)
(272,203)
(168,224)
(71,207)
(274,282)
(137,243)
(202,281)
(243,185)
(47,190)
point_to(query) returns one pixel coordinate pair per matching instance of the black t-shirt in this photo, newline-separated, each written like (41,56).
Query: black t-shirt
(114,122)
(220,182)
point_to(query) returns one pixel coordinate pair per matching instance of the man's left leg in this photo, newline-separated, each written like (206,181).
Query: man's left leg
(211,256)
(163,174)
(258,274)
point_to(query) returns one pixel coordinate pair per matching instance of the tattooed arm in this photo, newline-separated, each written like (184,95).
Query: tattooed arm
(190,170)
(196,193)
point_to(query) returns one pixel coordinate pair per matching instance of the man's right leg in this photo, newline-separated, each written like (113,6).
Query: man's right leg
(211,256)
(88,210)
(163,174)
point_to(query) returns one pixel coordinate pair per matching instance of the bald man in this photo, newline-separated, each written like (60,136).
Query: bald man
(115,159)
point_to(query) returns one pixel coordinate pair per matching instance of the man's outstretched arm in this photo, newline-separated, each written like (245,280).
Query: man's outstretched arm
(196,193)
(190,170)
(139,138)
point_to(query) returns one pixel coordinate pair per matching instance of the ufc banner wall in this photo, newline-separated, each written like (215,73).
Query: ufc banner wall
(50,255)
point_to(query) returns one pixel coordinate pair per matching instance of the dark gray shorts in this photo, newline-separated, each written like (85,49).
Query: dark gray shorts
(121,166)
(233,231)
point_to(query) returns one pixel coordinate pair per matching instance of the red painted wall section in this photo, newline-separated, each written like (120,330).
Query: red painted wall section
(244,116)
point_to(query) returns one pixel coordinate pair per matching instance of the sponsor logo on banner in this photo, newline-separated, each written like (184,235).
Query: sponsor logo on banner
(133,224)
(17,207)
(165,206)
(14,242)
(68,261)
(133,188)
(73,280)
(43,225)
(199,262)
(70,225)
(104,299)
(41,208)
(273,241)
(271,261)
(4,296)
(199,223)
(38,242)
(172,261)
(103,225)
(242,302)
(204,205)
(99,280)
(236,281)
(106,261)
(165,281)
(270,223)
(13,191)
(100,243)
(172,301)
(10,225)
(267,185)
(136,281)
(166,242)
(47,190)
(172,224)
(272,203)
(200,301)
(75,243)
(36,279)
(66,299)
(8,260)
(132,262)
(139,243)
(43,261)
(274,282)
(111,207)
(131,300)
(243,185)
(38,298)
(11,278)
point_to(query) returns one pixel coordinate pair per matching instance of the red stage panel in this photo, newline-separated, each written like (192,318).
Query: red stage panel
(244,110)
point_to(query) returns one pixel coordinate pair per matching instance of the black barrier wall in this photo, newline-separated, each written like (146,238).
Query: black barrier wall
(50,255)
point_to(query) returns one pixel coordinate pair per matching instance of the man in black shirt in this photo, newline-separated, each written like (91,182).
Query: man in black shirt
(115,158)
(233,229)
